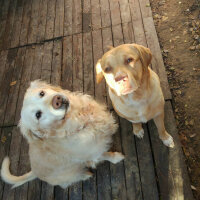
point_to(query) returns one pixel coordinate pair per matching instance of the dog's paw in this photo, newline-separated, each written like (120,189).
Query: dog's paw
(117,157)
(169,142)
(87,175)
(140,134)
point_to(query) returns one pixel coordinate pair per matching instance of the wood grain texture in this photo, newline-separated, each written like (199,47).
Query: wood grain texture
(15,35)
(60,41)
(172,174)
(25,22)
(6,80)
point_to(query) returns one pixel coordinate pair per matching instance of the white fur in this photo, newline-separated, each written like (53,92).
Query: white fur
(63,142)
(140,134)
(169,142)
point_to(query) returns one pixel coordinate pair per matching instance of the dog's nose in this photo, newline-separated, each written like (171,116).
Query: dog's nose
(58,101)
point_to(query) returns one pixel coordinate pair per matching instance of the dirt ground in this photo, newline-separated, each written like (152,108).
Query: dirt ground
(178,27)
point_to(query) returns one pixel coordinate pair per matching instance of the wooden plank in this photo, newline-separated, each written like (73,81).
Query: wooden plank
(103,170)
(117,171)
(47,191)
(125,11)
(145,160)
(89,186)
(75,191)
(14,155)
(4,12)
(56,62)
(15,36)
(77,16)
(105,13)
(171,170)
(5,81)
(47,61)
(157,61)
(147,172)
(68,17)
(32,36)
(100,89)
(24,164)
(135,10)
(88,74)
(146,10)
(77,63)
(128,33)
(3,59)
(59,20)
(145,34)
(14,89)
(107,41)
(117,35)
(50,19)
(25,22)
(86,16)
(9,24)
(42,21)
(5,137)
(60,193)
(115,12)
(67,68)
(34,187)
(132,171)
(96,15)
(25,80)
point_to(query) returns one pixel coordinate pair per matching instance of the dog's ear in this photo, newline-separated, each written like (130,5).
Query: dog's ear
(145,55)
(99,73)
(25,131)
(36,84)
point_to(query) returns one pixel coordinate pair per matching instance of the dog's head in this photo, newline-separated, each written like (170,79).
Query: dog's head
(123,67)
(44,108)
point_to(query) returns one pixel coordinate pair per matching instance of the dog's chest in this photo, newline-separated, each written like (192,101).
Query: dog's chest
(134,111)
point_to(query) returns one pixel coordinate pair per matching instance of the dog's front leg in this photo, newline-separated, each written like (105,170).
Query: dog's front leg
(164,136)
(138,130)
(113,157)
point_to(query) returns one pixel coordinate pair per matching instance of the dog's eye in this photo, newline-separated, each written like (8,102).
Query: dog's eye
(38,114)
(42,93)
(108,69)
(129,60)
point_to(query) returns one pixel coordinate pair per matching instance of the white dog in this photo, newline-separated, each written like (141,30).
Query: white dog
(67,132)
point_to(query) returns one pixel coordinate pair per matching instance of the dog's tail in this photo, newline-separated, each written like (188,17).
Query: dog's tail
(14,180)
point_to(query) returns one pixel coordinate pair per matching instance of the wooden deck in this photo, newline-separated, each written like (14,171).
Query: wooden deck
(60,41)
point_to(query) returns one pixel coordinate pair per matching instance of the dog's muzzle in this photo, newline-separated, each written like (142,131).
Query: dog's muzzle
(59,102)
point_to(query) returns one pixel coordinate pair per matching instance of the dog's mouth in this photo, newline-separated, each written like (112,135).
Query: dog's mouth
(123,85)
(66,105)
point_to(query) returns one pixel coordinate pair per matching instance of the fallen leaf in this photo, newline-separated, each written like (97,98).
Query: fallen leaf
(164,18)
(193,135)
(148,5)
(3,139)
(193,188)
(191,122)
(192,48)
(13,83)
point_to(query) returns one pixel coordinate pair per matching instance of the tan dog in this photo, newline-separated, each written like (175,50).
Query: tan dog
(67,132)
(134,88)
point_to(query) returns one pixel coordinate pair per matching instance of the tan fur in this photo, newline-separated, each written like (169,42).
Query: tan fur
(139,98)
(61,150)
